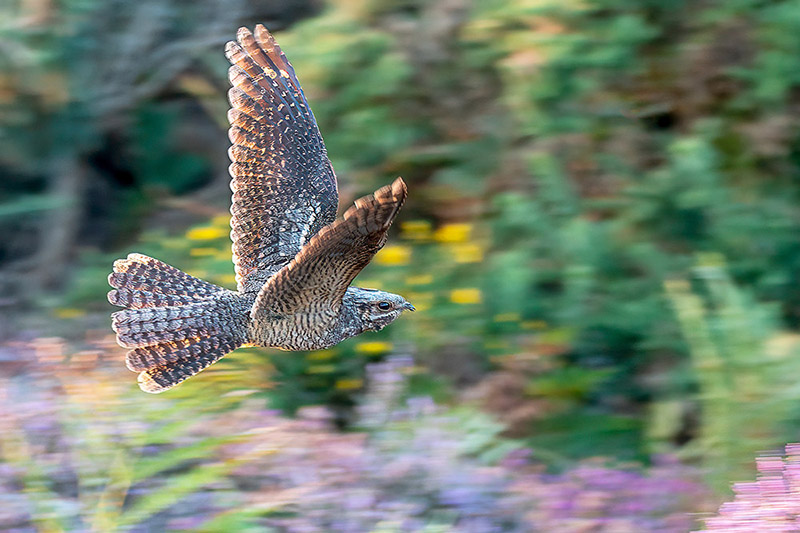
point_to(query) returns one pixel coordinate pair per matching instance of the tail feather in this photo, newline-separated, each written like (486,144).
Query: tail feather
(143,299)
(176,324)
(138,282)
(142,327)
(166,376)
(157,338)
(140,274)
(151,357)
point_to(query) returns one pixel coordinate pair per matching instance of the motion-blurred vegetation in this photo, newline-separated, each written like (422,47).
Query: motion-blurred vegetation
(602,231)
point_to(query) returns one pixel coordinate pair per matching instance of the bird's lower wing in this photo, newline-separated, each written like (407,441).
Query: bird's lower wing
(315,281)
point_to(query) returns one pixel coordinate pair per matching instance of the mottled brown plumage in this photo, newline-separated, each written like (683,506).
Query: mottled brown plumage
(314,283)
(284,188)
(294,261)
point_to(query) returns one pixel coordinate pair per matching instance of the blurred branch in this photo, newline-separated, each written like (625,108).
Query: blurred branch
(59,226)
(144,56)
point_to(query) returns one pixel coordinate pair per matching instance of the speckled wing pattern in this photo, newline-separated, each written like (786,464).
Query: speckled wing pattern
(313,283)
(284,188)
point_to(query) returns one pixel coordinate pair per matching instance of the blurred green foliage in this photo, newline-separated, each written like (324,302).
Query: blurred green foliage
(745,369)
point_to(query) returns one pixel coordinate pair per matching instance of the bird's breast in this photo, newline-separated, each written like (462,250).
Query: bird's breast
(290,332)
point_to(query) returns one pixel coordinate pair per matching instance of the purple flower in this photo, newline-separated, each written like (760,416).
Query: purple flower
(769,504)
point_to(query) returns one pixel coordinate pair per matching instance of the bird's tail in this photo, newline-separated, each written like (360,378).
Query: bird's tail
(176,324)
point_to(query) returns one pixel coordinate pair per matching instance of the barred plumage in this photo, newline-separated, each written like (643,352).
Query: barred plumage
(284,188)
(149,357)
(172,316)
(140,273)
(142,327)
(320,274)
(163,377)
(294,262)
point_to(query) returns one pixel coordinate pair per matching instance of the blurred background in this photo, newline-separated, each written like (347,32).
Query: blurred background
(602,240)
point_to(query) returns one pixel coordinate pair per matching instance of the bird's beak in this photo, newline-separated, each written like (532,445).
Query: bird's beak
(408,307)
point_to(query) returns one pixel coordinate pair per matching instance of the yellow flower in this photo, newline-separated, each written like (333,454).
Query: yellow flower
(349,384)
(66,313)
(394,255)
(452,233)
(415,230)
(373,348)
(465,296)
(467,253)
(206,233)
(422,279)
(202,252)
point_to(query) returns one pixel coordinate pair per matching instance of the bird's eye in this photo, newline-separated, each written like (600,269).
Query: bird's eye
(384,306)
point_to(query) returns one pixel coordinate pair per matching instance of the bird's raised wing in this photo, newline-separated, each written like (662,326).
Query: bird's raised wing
(284,188)
(315,281)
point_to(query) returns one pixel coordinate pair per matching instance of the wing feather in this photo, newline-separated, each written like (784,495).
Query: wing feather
(284,188)
(314,282)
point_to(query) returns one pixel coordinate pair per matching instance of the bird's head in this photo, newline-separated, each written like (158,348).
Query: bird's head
(375,308)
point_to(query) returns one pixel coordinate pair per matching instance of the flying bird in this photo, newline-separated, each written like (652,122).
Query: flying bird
(294,260)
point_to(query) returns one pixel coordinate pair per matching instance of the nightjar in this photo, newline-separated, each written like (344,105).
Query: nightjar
(294,260)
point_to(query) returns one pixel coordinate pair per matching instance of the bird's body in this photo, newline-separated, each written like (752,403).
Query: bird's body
(294,260)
